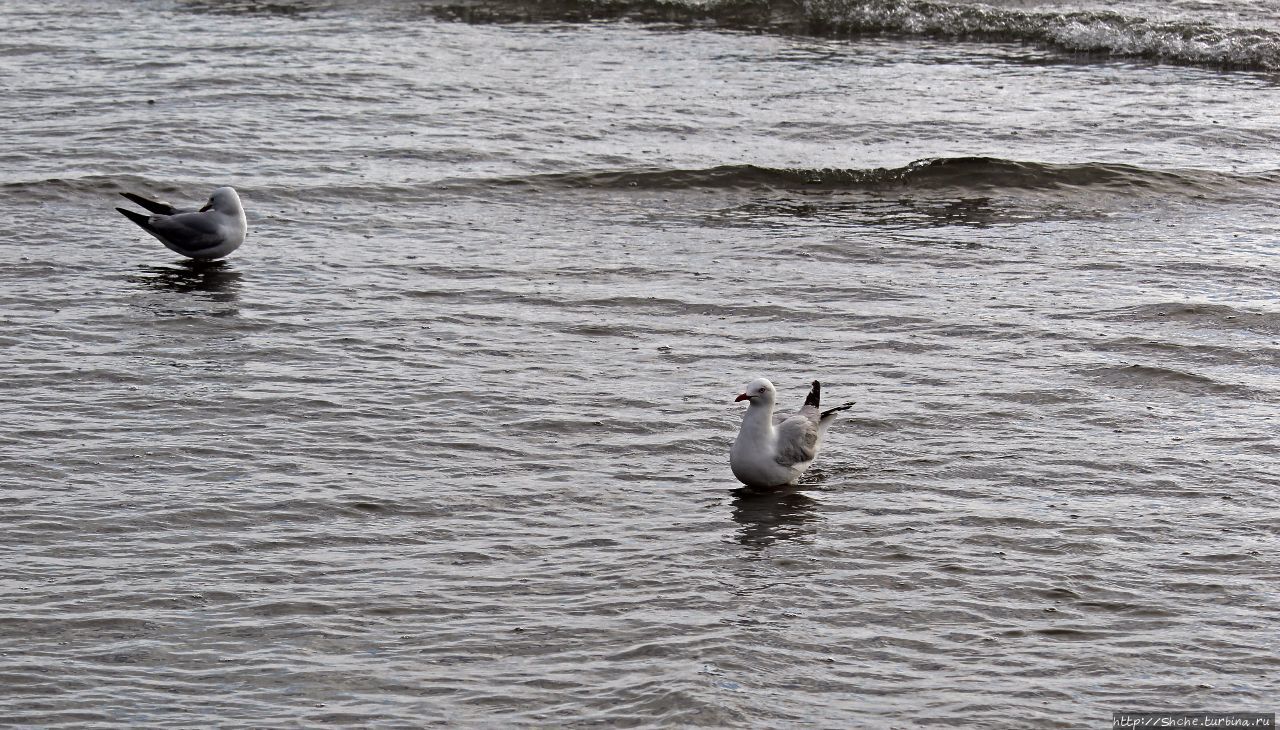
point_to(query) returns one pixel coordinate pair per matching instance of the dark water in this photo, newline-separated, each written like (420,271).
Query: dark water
(446,441)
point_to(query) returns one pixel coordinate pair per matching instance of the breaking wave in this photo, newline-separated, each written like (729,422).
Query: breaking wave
(1103,33)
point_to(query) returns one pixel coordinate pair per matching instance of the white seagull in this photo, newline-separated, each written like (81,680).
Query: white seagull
(211,232)
(773,450)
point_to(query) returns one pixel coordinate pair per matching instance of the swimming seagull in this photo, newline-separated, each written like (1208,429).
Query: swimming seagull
(775,449)
(211,232)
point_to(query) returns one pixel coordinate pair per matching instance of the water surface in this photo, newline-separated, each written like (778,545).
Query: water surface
(446,441)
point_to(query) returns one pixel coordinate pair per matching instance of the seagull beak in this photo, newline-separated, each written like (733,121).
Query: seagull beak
(742,396)
(207,207)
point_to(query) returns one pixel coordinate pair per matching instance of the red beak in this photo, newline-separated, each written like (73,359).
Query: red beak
(742,396)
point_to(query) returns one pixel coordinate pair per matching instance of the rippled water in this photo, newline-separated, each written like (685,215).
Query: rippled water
(446,441)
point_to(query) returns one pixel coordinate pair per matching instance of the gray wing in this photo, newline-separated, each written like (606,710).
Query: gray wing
(797,437)
(190,231)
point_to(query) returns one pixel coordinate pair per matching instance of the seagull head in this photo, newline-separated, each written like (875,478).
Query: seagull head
(223,200)
(757,391)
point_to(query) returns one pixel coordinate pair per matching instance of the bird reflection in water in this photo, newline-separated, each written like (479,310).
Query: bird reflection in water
(766,517)
(216,278)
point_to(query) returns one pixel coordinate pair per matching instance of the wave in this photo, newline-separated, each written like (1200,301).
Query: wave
(1104,33)
(965,174)
(1093,32)
(78,187)
(949,175)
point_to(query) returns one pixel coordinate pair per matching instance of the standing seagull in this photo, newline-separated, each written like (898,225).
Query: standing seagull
(212,232)
(775,449)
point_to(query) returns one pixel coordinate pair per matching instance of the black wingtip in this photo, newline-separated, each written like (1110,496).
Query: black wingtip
(815,395)
(155,206)
(136,217)
(837,409)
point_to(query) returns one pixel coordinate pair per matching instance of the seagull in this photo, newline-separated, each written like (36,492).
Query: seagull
(211,232)
(773,450)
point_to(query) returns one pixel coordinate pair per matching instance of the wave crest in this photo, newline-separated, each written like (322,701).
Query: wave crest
(952,175)
(1109,33)
(967,174)
(1086,32)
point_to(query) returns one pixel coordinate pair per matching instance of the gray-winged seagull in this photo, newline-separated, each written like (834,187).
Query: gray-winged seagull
(211,232)
(773,450)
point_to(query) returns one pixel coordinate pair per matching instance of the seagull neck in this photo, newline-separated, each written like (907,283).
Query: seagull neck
(759,418)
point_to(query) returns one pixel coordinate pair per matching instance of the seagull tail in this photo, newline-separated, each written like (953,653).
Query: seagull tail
(144,221)
(154,206)
(815,395)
